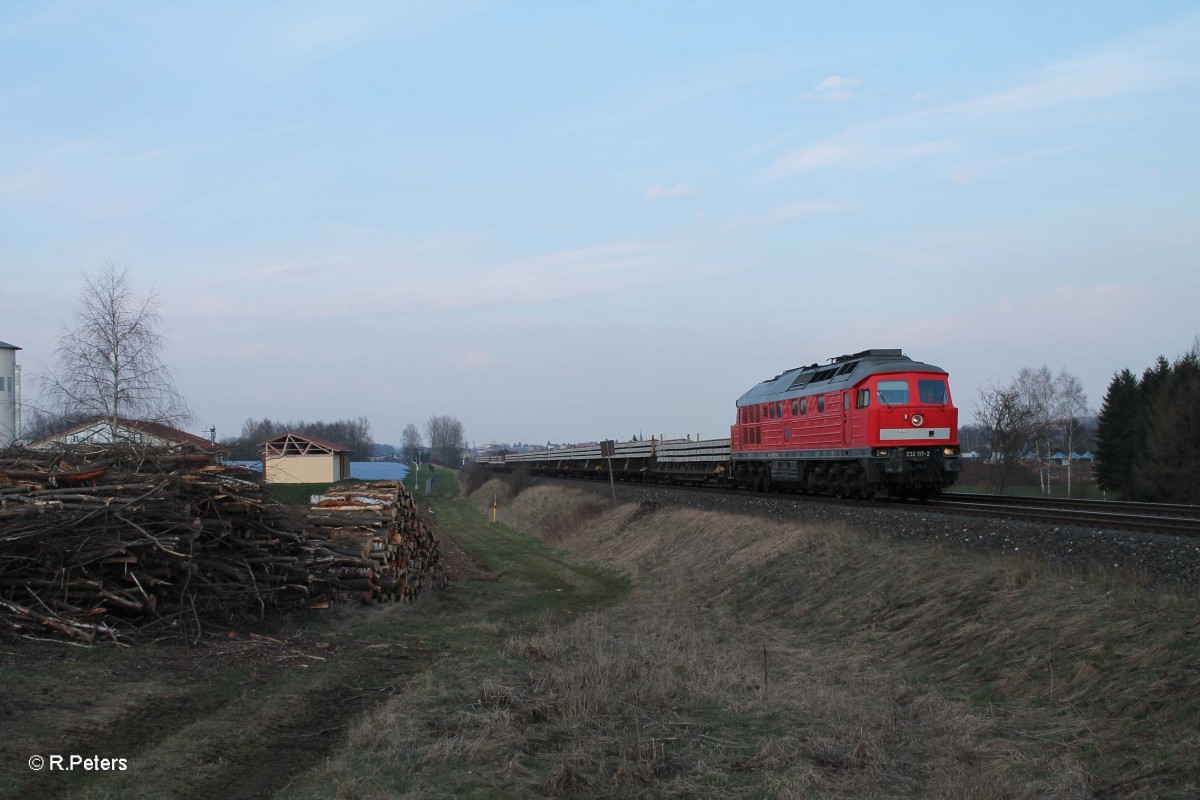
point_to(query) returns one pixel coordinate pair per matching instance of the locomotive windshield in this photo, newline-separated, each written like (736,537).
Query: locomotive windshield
(893,393)
(932,392)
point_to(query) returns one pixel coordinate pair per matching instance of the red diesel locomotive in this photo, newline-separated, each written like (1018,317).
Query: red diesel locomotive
(865,425)
(868,424)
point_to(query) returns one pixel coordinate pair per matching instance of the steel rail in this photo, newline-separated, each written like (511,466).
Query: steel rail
(1103,506)
(1001,507)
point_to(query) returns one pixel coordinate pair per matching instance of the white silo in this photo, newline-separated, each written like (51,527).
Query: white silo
(8,393)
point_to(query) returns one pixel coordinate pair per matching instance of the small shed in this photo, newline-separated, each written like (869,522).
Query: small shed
(299,458)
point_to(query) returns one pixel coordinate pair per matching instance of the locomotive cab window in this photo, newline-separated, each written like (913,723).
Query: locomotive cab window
(893,393)
(932,392)
(820,404)
(863,399)
(804,406)
(795,408)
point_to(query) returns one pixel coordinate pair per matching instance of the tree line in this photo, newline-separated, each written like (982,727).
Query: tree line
(1148,436)
(446,438)
(353,433)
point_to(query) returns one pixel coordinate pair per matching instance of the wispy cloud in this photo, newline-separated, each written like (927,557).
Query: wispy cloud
(814,156)
(974,170)
(790,211)
(1071,307)
(445,282)
(284,37)
(660,192)
(1148,62)
(835,87)
(651,97)
(1133,67)
(856,151)
(321,32)
(561,276)
(45,15)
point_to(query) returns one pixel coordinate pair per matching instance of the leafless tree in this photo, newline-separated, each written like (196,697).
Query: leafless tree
(410,442)
(1009,424)
(1036,390)
(110,361)
(1070,403)
(446,439)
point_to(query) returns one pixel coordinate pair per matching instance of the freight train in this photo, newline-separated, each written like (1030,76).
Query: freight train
(871,424)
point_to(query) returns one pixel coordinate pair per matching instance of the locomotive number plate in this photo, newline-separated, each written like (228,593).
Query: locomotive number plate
(916,453)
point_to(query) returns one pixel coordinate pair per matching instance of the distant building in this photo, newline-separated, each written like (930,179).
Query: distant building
(10,384)
(99,430)
(299,458)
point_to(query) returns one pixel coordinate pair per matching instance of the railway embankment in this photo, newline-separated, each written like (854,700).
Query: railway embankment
(830,661)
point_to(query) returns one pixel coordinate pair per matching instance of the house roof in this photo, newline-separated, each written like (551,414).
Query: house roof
(7,346)
(317,440)
(156,429)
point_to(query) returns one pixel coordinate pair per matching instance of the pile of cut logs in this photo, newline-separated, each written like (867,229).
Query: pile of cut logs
(372,543)
(102,543)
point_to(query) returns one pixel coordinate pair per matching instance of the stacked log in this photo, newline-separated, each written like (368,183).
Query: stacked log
(373,543)
(108,542)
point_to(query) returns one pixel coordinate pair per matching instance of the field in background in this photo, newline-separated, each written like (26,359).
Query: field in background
(1026,484)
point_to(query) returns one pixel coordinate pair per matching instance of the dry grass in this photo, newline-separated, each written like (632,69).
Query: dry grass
(660,698)
(952,674)
(759,659)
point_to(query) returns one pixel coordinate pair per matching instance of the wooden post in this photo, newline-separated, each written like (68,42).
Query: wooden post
(607,448)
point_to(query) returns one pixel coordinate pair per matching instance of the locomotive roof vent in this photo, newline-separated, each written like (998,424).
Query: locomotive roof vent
(877,352)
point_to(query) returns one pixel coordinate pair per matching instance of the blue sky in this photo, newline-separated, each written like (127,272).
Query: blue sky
(571,220)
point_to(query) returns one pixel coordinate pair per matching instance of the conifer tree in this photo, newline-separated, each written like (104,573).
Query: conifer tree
(1118,434)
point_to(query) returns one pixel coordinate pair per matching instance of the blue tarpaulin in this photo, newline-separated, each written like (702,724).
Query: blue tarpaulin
(363,470)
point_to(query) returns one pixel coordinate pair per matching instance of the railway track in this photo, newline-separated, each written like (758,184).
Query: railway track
(1178,520)
(1175,520)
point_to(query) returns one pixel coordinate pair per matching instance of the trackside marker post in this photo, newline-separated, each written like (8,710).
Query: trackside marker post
(607,448)
(494,499)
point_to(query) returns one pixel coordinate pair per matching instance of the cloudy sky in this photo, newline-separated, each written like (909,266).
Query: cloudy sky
(575,220)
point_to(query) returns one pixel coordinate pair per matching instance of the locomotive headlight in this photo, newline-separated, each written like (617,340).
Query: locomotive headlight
(950,451)
(880,452)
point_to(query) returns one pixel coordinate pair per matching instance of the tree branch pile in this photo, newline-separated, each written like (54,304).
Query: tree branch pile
(102,543)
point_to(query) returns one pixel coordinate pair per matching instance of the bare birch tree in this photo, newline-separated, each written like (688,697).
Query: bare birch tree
(110,361)
(1036,388)
(1070,404)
